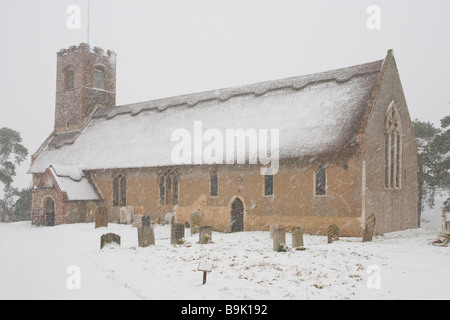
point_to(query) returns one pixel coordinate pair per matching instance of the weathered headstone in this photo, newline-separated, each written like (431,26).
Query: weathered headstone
(333,233)
(109,238)
(169,217)
(137,221)
(176,232)
(205,235)
(146,233)
(272,227)
(145,220)
(101,217)
(126,214)
(279,239)
(91,212)
(369,228)
(297,237)
(195,221)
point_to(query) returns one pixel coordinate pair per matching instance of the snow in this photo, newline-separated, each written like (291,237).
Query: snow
(314,114)
(38,263)
(74,183)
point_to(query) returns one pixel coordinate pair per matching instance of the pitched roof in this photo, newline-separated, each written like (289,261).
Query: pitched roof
(316,114)
(74,183)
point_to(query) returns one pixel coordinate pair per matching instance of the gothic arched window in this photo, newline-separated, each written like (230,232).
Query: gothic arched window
(392,148)
(168,188)
(120,191)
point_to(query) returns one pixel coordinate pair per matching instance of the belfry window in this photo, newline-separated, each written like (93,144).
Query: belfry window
(99,79)
(392,148)
(168,189)
(69,77)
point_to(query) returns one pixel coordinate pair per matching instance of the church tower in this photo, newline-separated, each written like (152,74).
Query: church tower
(86,80)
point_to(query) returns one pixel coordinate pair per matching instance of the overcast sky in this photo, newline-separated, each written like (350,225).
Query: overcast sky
(171,47)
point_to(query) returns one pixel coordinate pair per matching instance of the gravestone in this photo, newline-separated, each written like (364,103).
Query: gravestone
(176,232)
(297,237)
(369,228)
(109,238)
(169,217)
(137,221)
(126,214)
(205,235)
(91,212)
(272,227)
(333,233)
(195,221)
(101,217)
(146,233)
(279,239)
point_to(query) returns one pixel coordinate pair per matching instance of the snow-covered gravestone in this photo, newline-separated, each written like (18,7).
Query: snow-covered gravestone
(297,237)
(195,221)
(109,238)
(279,239)
(369,228)
(333,233)
(126,214)
(205,235)
(176,233)
(272,227)
(146,233)
(101,217)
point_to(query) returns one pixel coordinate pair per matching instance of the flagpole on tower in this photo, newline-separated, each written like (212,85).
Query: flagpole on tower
(88,18)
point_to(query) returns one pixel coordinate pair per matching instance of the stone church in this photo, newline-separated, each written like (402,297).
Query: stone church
(345,150)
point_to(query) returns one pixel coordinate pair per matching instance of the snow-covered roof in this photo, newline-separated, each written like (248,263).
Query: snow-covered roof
(315,114)
(74,183)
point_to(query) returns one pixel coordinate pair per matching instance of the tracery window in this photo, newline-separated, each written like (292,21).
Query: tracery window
(168,188)
(120,191)
(392,148)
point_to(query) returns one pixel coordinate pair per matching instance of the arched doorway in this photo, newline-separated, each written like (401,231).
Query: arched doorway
(49,212)
(237,215)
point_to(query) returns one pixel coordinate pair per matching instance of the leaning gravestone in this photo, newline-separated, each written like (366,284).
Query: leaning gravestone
(279,239)
(146,233)
(369,228)
(333,233)
(176,232)
(101,217)
(297,237)
(205,235)
(195,221)
(109,238)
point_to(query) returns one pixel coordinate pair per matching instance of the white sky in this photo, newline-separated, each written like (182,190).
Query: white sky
(173,47)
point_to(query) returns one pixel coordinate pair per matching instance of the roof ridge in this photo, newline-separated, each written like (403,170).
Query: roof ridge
(257,89)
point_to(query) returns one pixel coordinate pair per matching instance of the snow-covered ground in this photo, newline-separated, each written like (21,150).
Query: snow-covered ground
(35,263)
